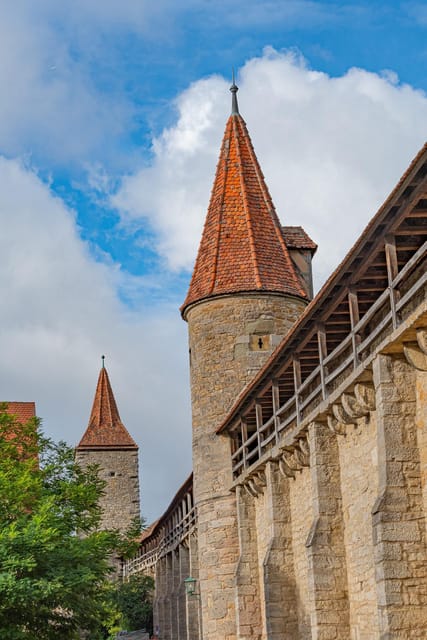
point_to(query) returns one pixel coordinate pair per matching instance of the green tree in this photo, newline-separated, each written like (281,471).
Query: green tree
(135,601)
(54,559)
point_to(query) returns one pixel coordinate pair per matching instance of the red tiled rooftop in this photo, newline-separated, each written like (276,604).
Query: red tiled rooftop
(297,238)
(105,429)
(242,247)
(24,411)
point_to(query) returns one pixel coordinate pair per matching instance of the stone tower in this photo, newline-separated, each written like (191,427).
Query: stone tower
(246,292)
(107,443)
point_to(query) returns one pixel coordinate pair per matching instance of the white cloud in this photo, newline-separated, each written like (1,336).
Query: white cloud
(173,192)
(50,107)
(331,150)
(60,313)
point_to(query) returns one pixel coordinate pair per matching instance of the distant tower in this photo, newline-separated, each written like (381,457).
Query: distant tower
(107,443)
(244,296)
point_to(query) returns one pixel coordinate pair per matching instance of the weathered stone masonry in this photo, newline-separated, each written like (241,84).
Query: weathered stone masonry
(309,519)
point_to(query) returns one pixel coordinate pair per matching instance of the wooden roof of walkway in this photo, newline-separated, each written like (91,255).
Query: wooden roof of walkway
(347,311)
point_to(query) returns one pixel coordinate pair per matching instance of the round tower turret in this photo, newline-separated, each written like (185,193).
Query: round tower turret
(244,296)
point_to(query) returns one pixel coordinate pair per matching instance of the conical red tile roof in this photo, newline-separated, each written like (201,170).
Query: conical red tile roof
(242,247)
(105,429)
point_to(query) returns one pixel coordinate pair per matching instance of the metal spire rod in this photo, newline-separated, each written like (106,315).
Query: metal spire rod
(234,89)
(103,361)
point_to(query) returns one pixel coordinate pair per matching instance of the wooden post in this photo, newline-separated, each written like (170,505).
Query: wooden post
(392,271)
(258,413)
(276,406)
(297,384)
(353,305)
(323,352)
(244,440)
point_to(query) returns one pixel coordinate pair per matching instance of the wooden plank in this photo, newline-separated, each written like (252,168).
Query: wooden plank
(367,341)
(323,353)
(418,213)
(417,257)
(337,323)
(338,349)
(244,428)
(258,412)
(353,305)
(334,302)
(392,272)
(275,394)
(409,246)
(297,384)
(415,287)
(391,259)
(411,231)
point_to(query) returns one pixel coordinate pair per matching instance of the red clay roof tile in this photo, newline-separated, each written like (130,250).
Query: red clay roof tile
(297,238)
(105,429)
(242,247)
(24,411)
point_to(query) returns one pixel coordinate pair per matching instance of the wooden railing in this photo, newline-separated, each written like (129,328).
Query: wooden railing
(255,433)
(169,533)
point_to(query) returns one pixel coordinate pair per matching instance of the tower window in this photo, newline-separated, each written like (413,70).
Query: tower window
(259,343)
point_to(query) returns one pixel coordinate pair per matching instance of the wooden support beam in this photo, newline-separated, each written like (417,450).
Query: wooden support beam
(244,429)
(408,230)
(392,271)
(323,352)
(258,413)
(371,287)
(353,305)
(337,322)
(297,384)
(275,394)
(418,213)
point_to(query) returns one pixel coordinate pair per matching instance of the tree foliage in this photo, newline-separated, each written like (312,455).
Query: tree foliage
(135,601)
(54,559)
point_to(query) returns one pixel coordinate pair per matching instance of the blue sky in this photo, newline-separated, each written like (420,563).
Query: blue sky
(142,64)
(111,119)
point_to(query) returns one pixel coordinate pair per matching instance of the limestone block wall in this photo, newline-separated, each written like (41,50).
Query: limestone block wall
(421,425)
(263,540)
(176,613)
(301,508)
(266,585)
(230,338)
(249,623)
(359,488)
(119,470)
(398,516)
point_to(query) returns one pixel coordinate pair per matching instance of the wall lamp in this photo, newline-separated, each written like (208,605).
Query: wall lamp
(190,586)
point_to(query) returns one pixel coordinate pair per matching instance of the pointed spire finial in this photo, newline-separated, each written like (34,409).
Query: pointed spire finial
(234,89)
(103,361)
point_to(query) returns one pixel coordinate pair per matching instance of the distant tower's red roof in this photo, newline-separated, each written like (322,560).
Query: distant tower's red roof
(105,429)
(242,247)
(24,411)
